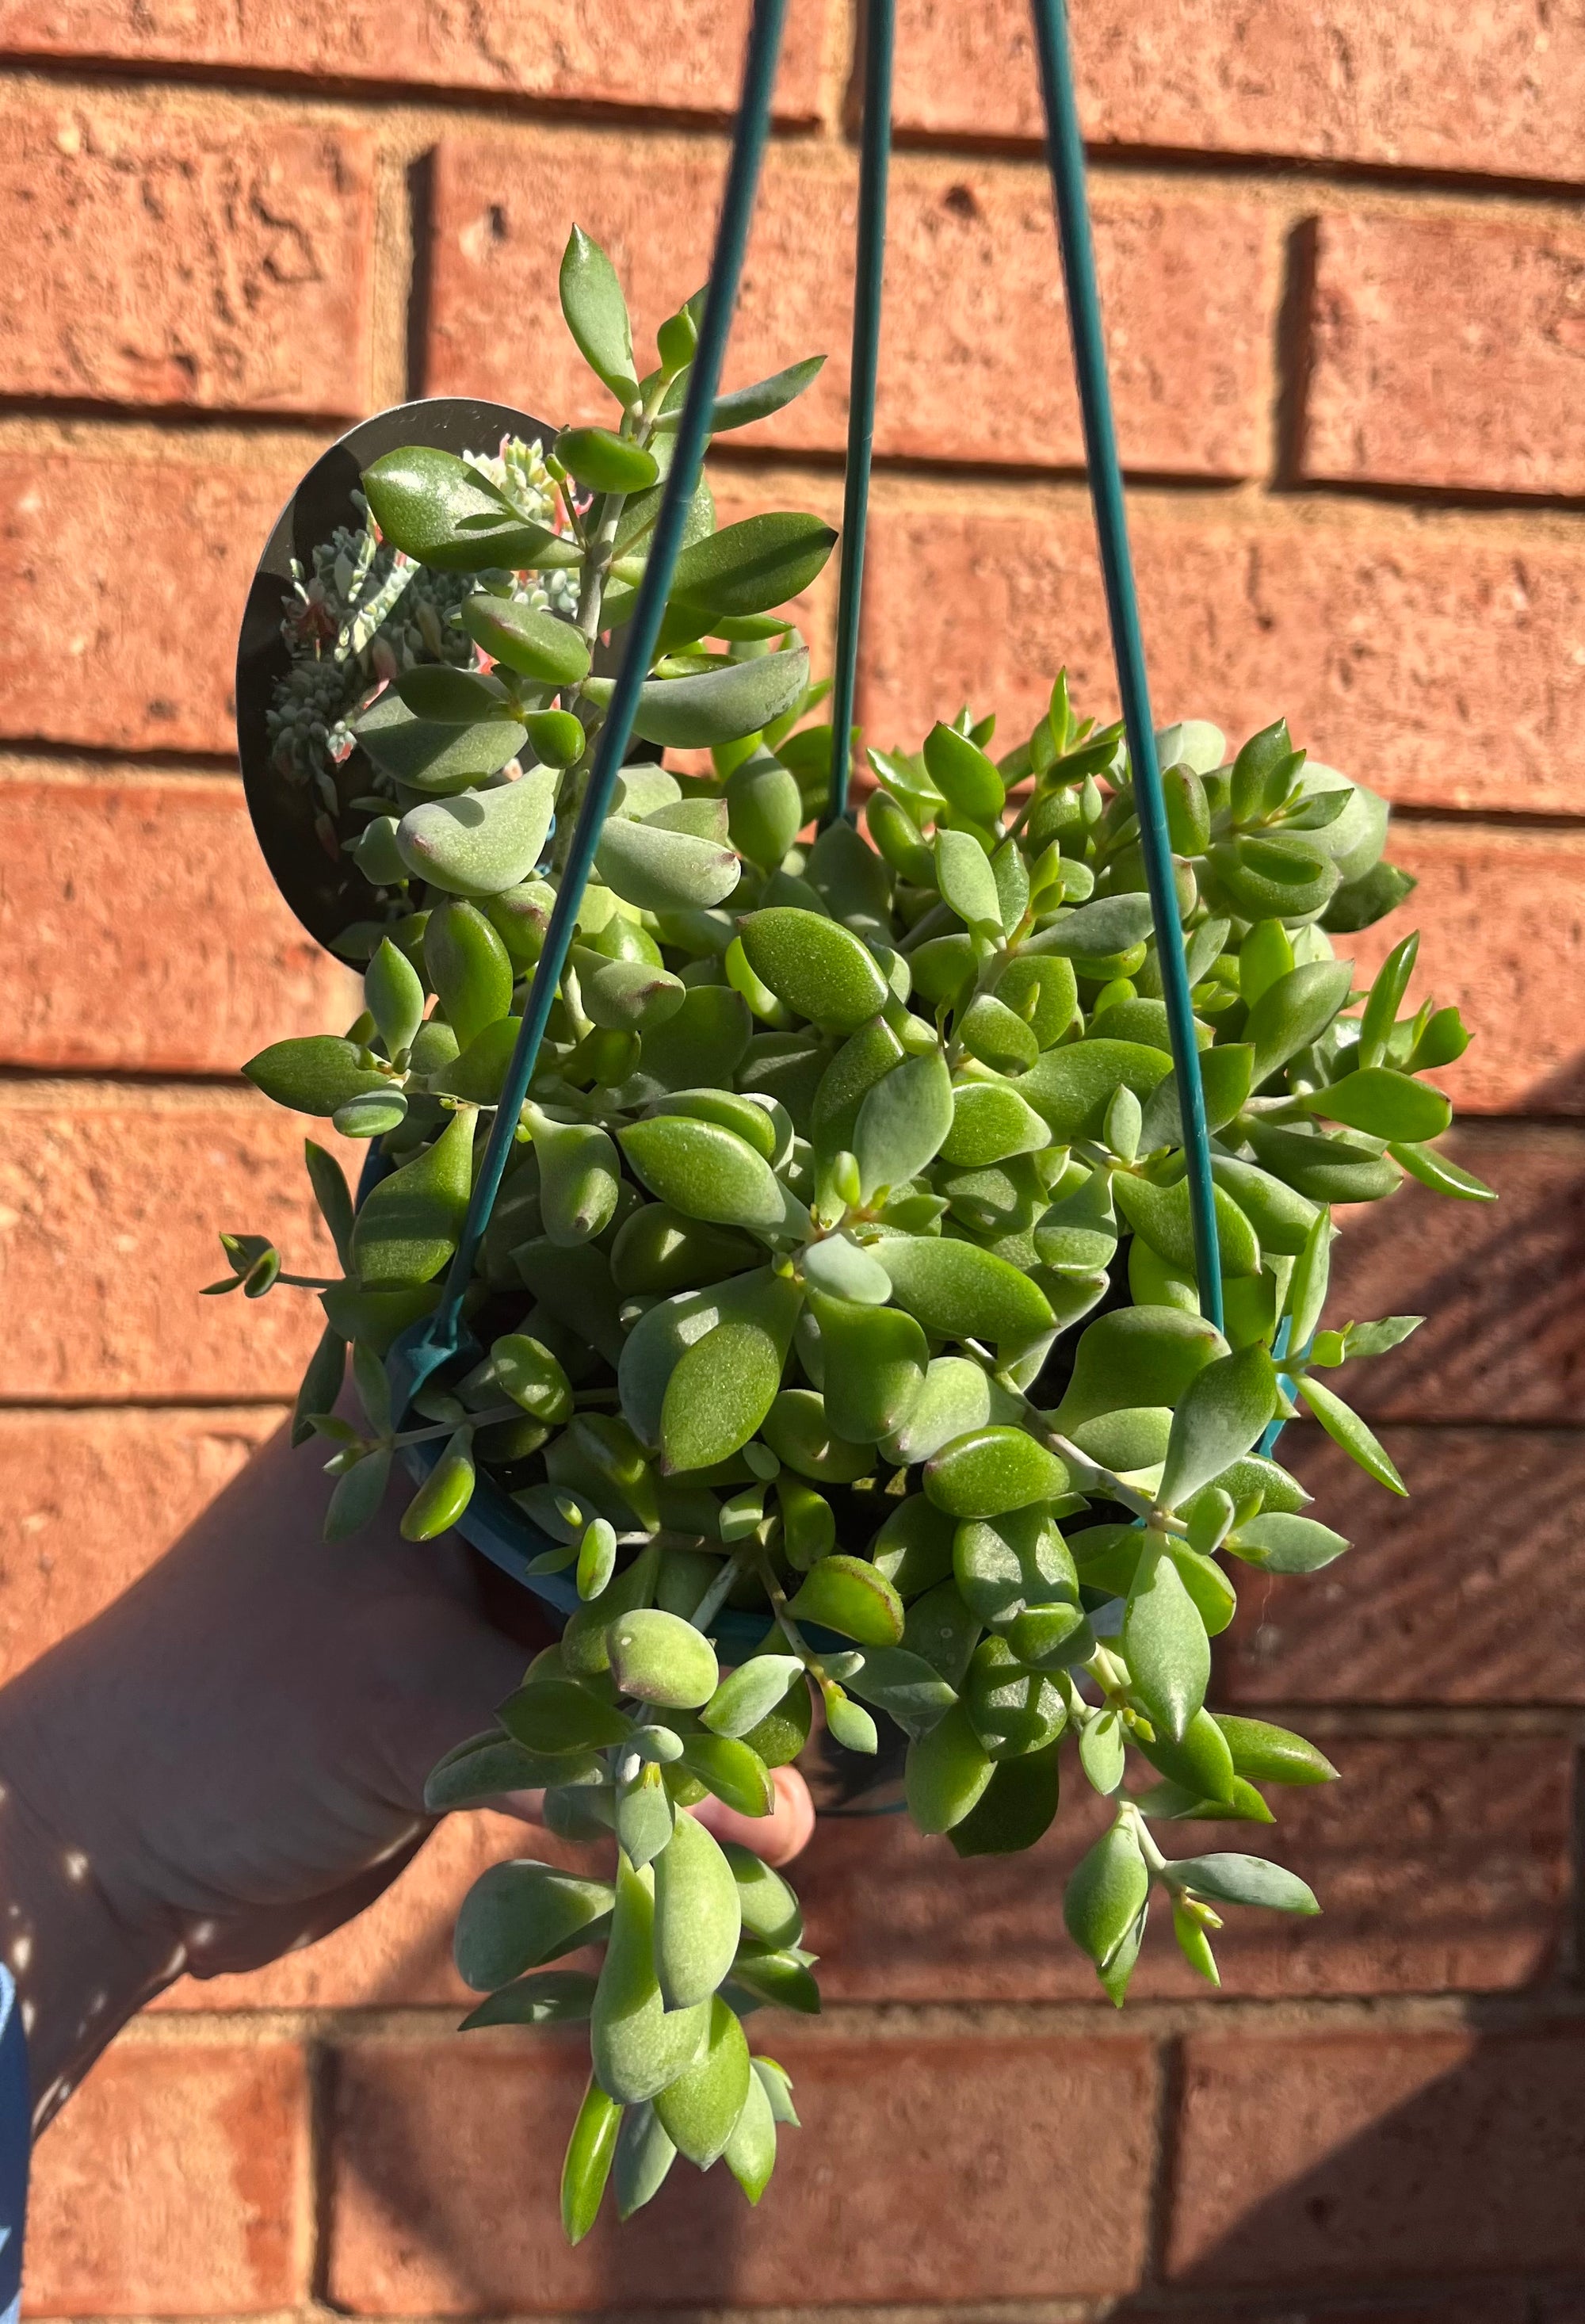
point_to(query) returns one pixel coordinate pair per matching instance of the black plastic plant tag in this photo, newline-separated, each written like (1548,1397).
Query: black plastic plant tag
(299,812)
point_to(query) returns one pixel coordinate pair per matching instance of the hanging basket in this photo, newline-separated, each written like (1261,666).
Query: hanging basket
(300,828)
(435,1351)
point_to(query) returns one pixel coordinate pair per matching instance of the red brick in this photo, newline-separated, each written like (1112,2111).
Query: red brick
(1445,351)
(144,1476)
(1438,660)
(1504,1338)
(145,930)
(1463,2304)
(124,582)
(975,360)
(1500,89)
(1439,1866)
(176,2183)
(925,2171)
(1315,2159)
(1474,1585)
(1503,936)
(685,55)
(174,258)
(111,1201)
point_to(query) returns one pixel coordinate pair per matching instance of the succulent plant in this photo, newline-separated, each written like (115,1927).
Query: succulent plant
(842,1279)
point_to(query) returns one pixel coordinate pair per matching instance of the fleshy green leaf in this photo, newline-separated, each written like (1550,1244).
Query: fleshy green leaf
(1444,1177)
(699,1918)
(664,871)
(1163,1643)
(963,874)
(517,1916)
(597,315)
(850,1596)
(947,1773)
(715,706)
(590,2152)
(1294,1011)
(741,406)
(1106,1893)
(991,1471)
(1345,1427)
(820,970)
(1243,1880)
(903,1121)
(1384,1103)
(703,1171)
(747,1694)
(905,1686)
(749,568)
(1223,1410)
(720,1392)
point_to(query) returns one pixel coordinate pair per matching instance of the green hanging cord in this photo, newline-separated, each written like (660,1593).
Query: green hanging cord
(1065,155)
(692,435)
(869,266)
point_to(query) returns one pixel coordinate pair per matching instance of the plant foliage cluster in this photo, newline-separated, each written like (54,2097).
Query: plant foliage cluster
(840,1298)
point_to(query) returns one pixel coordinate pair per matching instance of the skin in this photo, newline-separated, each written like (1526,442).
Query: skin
(229,1762)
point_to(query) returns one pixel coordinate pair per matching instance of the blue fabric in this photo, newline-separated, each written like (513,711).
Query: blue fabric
(14,2143)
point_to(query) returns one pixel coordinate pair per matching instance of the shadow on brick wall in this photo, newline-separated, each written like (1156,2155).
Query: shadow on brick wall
(1376,2166)
(1499,1283)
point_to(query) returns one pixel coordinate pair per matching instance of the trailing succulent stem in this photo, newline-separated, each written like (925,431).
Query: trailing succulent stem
(842,1284)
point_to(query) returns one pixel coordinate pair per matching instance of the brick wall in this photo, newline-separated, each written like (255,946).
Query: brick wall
(1343,259)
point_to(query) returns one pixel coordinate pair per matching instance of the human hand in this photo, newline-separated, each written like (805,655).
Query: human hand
(229,1762)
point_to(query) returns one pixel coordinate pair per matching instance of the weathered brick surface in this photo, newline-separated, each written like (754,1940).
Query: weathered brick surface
(971,2143)
(1439,1867)
(145,930)
(177,2183)
(1485,88)
(89,1500)
(1502,920)
(1472,1590)
(1462,2303)
(178,258)
(110,1204)
(1315,2160)
(1496,1281)
(1446,351)
(687,54)
(974,357)
(124,581)
(1440,660)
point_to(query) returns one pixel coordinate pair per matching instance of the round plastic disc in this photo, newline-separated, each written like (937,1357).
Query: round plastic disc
(324,889)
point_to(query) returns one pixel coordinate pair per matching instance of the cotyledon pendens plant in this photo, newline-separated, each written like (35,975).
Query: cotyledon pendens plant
(844,1272)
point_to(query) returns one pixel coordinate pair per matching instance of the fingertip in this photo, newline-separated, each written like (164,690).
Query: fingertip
(792,1820)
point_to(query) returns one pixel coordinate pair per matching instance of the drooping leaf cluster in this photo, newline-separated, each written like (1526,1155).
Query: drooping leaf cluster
(843,1271)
